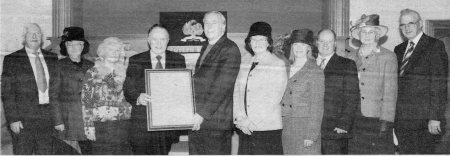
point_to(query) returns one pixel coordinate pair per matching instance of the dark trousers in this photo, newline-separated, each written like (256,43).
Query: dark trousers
(30,141)
(335,146)
(210,142)
(260,143)
(145,142)
(111,138)
(417,142)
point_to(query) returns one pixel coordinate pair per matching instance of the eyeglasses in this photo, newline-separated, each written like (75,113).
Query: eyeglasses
(410,24)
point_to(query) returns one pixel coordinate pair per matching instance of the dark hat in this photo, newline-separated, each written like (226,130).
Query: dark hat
(303,35)
(73,33)
(364,21)
(260,28)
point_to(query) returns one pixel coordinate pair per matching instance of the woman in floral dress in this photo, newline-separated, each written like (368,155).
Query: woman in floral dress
(105,110)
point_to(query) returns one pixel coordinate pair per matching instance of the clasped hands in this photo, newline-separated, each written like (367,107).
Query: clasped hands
(245,125)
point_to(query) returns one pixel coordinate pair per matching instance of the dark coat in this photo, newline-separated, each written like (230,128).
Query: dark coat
(341,97)
(302,108)
(214,82)
(66,98)
(20,92)
(422,89)
(144,141)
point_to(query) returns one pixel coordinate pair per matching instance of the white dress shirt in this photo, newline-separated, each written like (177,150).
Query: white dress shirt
(327,58)
(155,60)
(43,96)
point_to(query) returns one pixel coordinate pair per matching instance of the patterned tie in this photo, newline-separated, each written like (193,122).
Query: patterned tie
(40,74)
(406,58)
(158,65)
(322,63)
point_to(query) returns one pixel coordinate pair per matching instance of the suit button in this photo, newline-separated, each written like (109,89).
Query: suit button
(290,106)
(81,80)
(290,92)
(250,75)
(282,104)
(248,90)
(362,98)
(295,80)
(362,83)
(248,106)
(364,69)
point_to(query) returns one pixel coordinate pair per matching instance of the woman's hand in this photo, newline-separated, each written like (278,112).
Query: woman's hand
(244,125)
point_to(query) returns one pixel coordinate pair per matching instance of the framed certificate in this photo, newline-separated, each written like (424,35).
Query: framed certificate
(172,106)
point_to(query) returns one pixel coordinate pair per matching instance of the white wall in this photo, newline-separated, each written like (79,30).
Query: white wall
(389,11)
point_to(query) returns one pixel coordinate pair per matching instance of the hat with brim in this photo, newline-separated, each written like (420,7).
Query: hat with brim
(302,36)
(368,21)
(73,34)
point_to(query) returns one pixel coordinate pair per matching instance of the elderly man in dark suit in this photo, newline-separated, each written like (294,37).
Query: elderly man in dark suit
(142,141)
(215,74)
(341,95)
(422,91)
(27,75)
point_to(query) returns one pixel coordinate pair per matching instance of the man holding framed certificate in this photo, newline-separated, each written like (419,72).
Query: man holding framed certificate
(143,141)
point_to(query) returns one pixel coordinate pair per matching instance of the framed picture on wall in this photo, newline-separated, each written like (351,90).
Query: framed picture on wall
(186,30)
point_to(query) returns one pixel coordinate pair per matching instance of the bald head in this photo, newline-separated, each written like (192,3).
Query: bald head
(326,42)
(32,36)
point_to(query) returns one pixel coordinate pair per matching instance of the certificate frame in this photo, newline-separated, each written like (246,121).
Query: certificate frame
(173,103)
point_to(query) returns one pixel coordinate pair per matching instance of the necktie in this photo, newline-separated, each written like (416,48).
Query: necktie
(40,74)
(406,58)
(322,63)
(158,65)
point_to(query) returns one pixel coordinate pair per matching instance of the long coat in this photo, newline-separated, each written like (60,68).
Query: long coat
(342,97)
(422,88)
(65,98)
(214,81)
(264,87)
(302,109)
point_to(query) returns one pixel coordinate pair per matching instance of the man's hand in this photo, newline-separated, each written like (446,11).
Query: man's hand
(144,99)
(16,126)
(60,127)
(198,120)
(243,125)
(308,143)
(339,131)
(434,126)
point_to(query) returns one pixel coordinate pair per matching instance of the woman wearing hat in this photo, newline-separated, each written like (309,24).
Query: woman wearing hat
(377,73)
(259,88)
(67,86)
(105,110)
(302,104)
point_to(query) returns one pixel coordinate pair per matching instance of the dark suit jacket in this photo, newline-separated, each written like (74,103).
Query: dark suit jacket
(134,83)
(20,93)
(422,88)
(214,84)
(341,97)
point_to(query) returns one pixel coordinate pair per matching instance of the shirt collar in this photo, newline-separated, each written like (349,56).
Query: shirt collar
(212,42)
(30,51)
(327,57)
(153,55)
(416,39)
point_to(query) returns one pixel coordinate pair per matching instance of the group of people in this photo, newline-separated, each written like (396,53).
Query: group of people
(302,98)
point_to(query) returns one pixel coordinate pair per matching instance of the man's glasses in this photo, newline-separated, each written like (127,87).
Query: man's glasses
(410,24)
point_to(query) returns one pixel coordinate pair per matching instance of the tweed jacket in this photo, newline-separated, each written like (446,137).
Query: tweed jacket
(65,98)
(20,92)
(214,83)
(377,74)
(422,91)
(265,85)
(341,97)
(303,99)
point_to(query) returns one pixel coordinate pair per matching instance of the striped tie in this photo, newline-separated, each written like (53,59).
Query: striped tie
(322,63)
(406,58)
(40,74)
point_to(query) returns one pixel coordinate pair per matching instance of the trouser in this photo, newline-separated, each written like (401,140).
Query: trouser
(417,141)
(210,142)
(260,143)
(30,141)
(334,146)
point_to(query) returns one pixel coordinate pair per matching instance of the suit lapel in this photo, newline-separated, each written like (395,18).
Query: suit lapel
(419,50)
(25,67)
(303,71)
(146,60)
(332,64)
(211,53)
